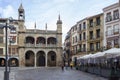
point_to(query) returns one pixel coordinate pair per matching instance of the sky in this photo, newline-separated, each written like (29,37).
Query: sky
(47,11)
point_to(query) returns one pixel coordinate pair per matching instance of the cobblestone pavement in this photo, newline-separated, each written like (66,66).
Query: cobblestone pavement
(54,74)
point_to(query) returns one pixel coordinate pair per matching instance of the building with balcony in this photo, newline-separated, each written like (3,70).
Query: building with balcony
(95,33)
(32,47)
(67,44)
(112,25)
(13,55)
(82,36)
(74,39)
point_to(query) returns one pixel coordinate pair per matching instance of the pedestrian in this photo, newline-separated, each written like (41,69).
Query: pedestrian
(62,67)
(66,65)
(71,65)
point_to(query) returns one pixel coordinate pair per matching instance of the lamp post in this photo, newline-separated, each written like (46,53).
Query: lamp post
(10,52)
(6,26)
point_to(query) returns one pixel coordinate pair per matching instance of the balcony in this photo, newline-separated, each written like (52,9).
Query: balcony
(94,38)
(51,45)
(112,32)
(115,17)
(29,45)
(80,42)
(90,50)
(82,50)
(108,18)
(99,37)
(40,45)
(91,26)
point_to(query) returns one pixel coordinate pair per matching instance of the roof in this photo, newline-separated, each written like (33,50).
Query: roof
(21,7)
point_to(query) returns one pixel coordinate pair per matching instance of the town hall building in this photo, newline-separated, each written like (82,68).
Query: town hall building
(31,47)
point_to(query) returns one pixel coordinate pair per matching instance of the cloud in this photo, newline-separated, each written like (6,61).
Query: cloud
(8,11)
(63,1)
(29,24)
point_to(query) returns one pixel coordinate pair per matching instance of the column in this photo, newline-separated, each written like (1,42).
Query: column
(35,60)
(35,41)
(46,60)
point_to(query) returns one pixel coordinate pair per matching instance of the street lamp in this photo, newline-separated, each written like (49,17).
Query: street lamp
(6,26)
(10,51)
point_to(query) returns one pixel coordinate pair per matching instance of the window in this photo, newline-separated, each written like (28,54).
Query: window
(75,28)
(80,27)
(97,45)
(84,36)
(98,21)
(109,30)
(1,39)
(9,50)
(116,28)
(1,31)
(116,14)
(84,25)
(91,23)
(13,50)
(84,47)
(75,38)
(80,47)
(98,33)
(13,30)
(116,42)
(91,34)
(91,47)
(80,37)
(108,17)
(13,39)
(75,49)
(1,51)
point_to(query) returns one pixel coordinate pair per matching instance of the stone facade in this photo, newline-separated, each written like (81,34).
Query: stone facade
(36,48)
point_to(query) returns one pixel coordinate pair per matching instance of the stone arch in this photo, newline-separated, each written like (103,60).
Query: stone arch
(51,40)
(13,62)
(40,40)
(40,58)
(30,40)
(2,62)
(29,58)
(51,58)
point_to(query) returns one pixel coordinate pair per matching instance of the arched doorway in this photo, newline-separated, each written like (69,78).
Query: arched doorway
(13,62)
(51,58)
(29,59)
(41,58)
(2,62)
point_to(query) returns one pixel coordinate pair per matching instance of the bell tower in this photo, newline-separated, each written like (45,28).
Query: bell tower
(59,25)
(22,34)
(21,13)
(21,18)
(59,31)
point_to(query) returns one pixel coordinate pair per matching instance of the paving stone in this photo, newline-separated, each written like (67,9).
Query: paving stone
(54,74)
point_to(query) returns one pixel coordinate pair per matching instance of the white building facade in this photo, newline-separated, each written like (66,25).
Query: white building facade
(112,25)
